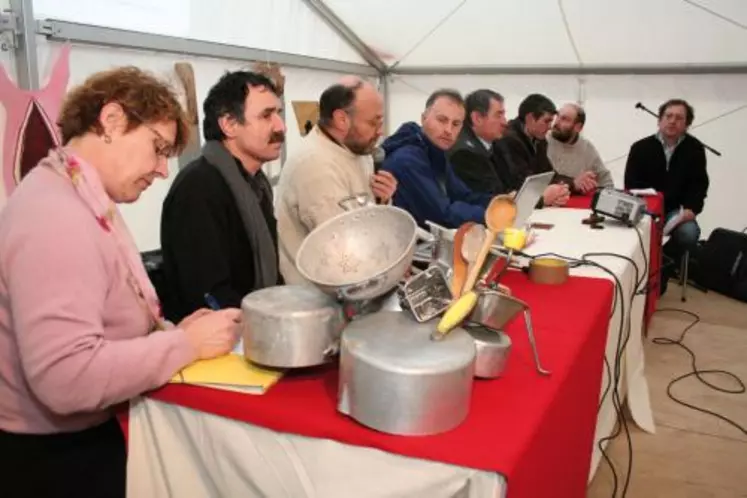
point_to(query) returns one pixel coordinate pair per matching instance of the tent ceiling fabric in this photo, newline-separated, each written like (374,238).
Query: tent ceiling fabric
(492,33)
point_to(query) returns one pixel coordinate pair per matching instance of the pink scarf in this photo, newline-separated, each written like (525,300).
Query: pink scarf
(87,183)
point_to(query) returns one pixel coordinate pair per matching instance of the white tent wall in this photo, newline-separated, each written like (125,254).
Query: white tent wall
(280,26)
(143,216)
(613,123)
(485,37)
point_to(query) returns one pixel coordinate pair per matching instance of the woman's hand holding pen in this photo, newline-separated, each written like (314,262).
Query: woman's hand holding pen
(212,333)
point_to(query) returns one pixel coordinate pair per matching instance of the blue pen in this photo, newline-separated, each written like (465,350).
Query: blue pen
(211,302)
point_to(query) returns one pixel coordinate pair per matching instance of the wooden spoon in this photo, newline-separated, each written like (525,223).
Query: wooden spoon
(500,214)
(460,264)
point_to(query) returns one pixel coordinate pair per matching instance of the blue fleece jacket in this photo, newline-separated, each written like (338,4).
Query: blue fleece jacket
(427,187)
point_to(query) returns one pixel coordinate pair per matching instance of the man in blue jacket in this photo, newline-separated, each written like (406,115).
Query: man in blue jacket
(416,155)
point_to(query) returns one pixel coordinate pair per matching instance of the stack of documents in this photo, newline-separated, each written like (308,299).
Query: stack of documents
(231,372)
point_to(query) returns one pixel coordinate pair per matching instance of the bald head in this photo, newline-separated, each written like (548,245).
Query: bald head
(352,111)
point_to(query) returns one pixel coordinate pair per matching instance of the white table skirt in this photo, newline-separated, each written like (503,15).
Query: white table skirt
(182,453)
(179,452)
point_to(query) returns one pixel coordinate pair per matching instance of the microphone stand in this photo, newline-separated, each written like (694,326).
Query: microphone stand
(644,108)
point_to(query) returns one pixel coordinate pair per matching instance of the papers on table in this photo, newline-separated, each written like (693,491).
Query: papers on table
(644,192)
(231,372)
(673,222)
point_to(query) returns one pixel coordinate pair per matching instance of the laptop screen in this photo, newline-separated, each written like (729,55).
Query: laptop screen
(529,195)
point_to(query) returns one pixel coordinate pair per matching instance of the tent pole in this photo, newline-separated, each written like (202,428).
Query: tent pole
(22,28)
(384,89)
(347,34)
(703,68)
(63,31)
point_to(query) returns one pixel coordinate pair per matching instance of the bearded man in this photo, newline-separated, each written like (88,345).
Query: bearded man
(333,164)
(573,155)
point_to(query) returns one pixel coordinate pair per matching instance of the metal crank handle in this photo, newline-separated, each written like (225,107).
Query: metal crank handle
(530,333)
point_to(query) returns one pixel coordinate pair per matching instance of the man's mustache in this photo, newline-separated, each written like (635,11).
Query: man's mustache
(277,137)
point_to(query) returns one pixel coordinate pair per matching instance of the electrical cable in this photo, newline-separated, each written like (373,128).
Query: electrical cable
(696,372)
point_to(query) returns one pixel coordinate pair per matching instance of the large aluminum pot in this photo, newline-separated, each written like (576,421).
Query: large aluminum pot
(291,326)
(360,254)
(395,379)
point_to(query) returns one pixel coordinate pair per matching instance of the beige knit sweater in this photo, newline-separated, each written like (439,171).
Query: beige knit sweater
(573,159)
(312,183)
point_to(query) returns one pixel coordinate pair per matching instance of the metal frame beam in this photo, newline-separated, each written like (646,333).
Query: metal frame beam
(24,46)
(347,34)
(737,68)
(64,31)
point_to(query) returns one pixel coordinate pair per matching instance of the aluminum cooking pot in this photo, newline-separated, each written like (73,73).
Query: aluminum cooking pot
(495,309)
(395,379)
(360,254)
(291,326)
(493,348)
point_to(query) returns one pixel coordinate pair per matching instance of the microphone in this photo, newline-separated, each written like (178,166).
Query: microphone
(643,107)
(379,154)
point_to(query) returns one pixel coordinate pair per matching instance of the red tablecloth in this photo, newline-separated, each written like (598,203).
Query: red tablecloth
(537,431)
(655,206)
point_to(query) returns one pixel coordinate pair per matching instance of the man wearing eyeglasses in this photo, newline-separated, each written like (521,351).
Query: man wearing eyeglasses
(672,162)
(333,164)
(218,231)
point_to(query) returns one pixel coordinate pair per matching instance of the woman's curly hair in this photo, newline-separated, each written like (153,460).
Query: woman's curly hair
(142,96)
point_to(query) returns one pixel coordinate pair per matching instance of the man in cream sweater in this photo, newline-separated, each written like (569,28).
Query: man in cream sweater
(334,163)
(573,155)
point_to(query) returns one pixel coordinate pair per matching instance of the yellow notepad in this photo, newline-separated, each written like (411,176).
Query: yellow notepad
(231,372)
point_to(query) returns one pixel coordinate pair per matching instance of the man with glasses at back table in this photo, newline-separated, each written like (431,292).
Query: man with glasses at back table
(672,162)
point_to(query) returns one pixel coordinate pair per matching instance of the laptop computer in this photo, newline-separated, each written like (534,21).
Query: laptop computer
(529,195)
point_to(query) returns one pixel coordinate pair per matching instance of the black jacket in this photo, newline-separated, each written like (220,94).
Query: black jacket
(517,156)
(204,242)
(685,183)
(474,164)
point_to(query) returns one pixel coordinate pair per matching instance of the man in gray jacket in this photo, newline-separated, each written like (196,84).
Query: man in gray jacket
(573,155)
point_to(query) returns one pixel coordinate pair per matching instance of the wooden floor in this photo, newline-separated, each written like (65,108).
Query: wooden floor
(692,454)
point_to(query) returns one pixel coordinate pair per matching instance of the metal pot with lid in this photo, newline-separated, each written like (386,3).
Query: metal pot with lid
(395,379)
(291,326)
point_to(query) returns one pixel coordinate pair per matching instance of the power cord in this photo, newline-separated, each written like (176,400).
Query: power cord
(697,373)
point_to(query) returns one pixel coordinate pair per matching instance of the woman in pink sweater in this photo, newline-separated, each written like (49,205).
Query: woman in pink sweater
(80,325)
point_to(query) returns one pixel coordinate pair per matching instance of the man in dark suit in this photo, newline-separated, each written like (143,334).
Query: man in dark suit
(485,159)
(672,162)
(471,156)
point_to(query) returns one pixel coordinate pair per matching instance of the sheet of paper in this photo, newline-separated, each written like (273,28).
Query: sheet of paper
(673,222)
(643,191)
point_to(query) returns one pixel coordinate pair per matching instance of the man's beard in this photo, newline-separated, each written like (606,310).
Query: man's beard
(359,148)
(562,136)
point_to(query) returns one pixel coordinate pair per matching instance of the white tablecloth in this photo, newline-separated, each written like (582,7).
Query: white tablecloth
(179,452)
(571,238)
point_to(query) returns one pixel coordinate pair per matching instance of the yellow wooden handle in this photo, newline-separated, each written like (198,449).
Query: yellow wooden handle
(457,312)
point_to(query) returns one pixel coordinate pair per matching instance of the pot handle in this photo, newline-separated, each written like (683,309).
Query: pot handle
(424,235)
(354,201)
(332,350)
(530,333)
(349,292)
